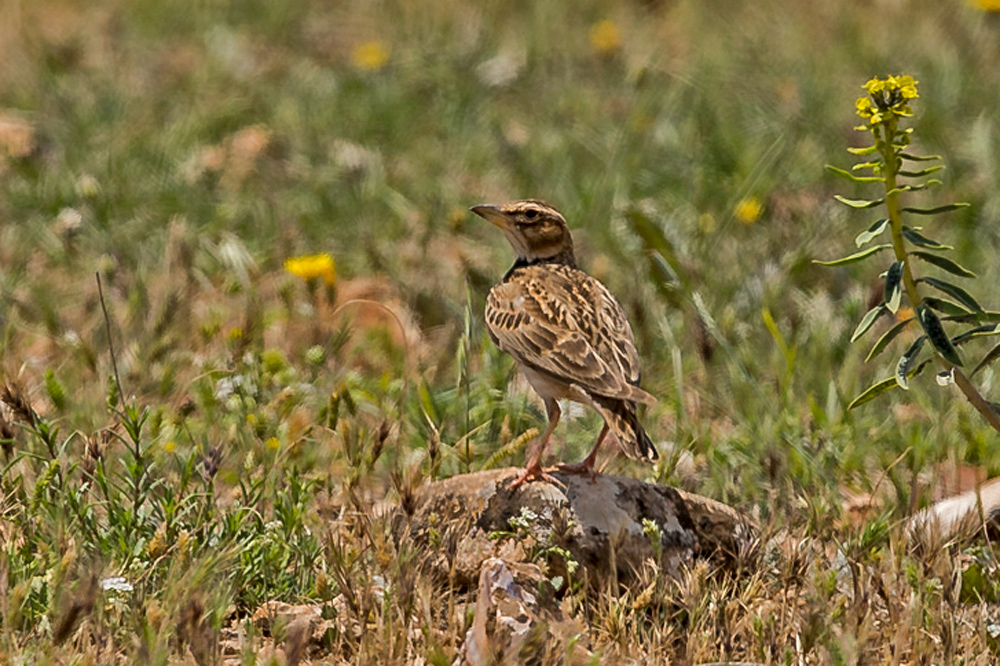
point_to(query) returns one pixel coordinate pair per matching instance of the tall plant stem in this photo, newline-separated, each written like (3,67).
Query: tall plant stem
(892,160)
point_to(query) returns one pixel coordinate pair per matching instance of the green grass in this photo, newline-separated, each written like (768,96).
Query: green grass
(184,151)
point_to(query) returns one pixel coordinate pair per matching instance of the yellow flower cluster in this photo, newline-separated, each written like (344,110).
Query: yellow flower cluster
(887,98)
(749,210)
(605,37)
(311,267)
(370,56)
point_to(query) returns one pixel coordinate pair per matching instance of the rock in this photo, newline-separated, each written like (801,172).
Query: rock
(972,510)
(511,623)
(609,526)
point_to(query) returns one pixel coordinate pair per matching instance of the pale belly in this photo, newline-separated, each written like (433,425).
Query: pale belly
(547,387)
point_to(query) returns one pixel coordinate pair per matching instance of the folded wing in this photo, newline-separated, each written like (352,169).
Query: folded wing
(560,321)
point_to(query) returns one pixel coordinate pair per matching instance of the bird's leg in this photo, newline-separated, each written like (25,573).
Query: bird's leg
(586,466)
(533,468)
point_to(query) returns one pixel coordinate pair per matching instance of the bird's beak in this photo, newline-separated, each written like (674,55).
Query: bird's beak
(491,213)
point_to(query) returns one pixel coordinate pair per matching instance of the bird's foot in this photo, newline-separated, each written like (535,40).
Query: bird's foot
(533,473)
(582,467)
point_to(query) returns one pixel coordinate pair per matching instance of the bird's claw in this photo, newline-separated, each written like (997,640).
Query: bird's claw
(583,467)
(533,473)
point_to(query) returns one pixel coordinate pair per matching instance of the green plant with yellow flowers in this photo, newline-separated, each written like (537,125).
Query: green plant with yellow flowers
(948,315)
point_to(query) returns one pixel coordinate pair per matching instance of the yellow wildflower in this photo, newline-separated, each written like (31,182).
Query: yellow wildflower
(273,443)
(311,267)
(887,98)
(170,446)
(749,210)
(370,56)
(605,37)
(987,5)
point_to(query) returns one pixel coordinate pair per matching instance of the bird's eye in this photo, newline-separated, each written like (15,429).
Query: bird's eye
(531,213)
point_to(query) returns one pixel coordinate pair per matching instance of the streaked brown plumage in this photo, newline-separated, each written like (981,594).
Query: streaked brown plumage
(566,331)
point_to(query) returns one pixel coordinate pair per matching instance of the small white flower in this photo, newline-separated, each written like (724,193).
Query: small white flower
(116,583)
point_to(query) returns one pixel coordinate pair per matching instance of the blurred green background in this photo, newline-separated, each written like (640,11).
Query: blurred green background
(186,150)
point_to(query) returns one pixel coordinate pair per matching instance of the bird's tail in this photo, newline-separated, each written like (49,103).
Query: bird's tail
(623,422)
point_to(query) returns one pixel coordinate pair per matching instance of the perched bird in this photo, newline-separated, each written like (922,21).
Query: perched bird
(566,331)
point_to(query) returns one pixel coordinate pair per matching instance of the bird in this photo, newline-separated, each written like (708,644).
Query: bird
(567,333)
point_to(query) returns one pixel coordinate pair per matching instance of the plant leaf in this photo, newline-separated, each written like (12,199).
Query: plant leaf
(919,158)
(920,240)
(868,320)
(922,172)
(949,308)
(936,334)
(867,150)
(987,317)
(857,256)
(881,387)
(956,292)
(944,264)
(988,360)
(906,362)
(859,203)
(877,228)
(873,392)
(914,188)
(978,332)
(886,338)
(934,211)
(847,175)
(893,291)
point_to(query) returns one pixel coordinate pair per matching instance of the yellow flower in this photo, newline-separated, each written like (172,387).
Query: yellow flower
(906,86)
(605,37)
(311,267)
(170,446)
(987,5)
(887,98)
(273,443)
(748,210)
(371,55)
(874,86)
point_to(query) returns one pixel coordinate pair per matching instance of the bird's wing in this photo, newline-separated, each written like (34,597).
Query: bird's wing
(567,324)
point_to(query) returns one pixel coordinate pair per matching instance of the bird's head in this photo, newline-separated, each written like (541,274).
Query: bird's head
(535,229)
